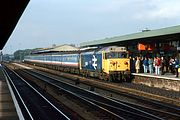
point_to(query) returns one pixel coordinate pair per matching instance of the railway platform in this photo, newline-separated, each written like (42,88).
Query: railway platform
(7,107)
(166,81)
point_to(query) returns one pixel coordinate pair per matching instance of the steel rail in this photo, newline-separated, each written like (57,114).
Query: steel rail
(154,110)
(89,103)
(31,87)
(145,108)
(15,91)
(124,87)
(83,92)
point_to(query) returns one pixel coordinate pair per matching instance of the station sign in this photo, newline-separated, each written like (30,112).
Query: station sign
(149,47)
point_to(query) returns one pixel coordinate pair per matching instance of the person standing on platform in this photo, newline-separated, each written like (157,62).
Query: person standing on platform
(166,64)
(132,65)
(162,65)
(141,59)
(150,62)
(171,61)
(176,67)
(137,65)
(157,65)
(145,65)
(154,62)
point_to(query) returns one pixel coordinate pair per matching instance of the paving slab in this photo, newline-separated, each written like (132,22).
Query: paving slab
(7,108)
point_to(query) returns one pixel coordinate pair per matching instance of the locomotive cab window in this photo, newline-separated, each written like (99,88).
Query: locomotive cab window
(115,55)
(122,55)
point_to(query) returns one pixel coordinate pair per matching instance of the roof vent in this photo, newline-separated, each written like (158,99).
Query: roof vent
(146,30)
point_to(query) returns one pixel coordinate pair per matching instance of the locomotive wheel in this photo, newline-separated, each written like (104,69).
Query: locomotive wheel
(111,78)
(128,78)
(105,77)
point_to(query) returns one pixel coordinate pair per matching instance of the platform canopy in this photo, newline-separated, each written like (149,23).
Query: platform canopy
(163,34)
(10,13)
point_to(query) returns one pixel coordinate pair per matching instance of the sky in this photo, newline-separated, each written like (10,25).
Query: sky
(48,22)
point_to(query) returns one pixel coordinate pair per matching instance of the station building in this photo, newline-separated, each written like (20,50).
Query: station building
(56,49)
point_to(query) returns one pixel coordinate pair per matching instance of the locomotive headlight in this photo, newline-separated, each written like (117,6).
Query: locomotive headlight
(112,62)
(126,62)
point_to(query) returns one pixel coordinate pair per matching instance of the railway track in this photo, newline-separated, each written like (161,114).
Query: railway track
(113,105)
(123,94)
(34,105)
(94,109)
(156,94)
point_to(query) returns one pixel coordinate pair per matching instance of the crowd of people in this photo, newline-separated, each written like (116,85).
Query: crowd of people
(156,65)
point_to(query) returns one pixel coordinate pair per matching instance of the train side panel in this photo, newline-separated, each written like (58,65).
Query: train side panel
(91,61)
(70,60)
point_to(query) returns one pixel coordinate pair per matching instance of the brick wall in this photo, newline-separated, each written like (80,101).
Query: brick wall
(168,84)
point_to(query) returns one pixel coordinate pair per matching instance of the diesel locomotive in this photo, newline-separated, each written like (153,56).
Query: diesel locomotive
(108,63)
